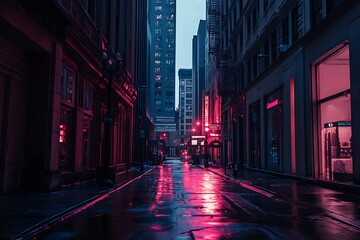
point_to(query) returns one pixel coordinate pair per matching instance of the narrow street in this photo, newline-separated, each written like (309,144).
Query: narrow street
(178,200)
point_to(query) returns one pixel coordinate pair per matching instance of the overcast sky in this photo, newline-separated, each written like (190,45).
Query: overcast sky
(188,15)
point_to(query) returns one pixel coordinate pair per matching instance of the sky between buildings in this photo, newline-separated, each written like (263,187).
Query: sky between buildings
(188,15)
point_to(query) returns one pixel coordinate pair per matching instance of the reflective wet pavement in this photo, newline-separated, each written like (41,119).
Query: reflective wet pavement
(182,201)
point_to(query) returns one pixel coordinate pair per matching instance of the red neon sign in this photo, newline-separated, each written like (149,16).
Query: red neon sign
(272,104)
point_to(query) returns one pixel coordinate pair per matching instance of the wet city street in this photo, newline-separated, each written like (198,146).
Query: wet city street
(178,200)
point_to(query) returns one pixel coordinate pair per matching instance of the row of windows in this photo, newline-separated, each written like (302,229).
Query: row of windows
(167,109)
(285,34)
(169,39)
(157,93)
(321,8)
(68,89)
(167,101)
(170,2)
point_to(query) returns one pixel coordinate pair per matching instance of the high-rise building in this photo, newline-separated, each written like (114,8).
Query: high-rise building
(185,103)
(198,69)
(161,17)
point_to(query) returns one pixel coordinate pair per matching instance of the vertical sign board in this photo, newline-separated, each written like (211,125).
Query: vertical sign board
(206,110)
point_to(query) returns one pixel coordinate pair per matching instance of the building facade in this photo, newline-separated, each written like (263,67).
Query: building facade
(198,67)
(53,92)
(185,104)
(162,22)
(293,68)
(211,99)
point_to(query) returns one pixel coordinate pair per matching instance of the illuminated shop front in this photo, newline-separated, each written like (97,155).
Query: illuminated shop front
(274,125)
(334,117)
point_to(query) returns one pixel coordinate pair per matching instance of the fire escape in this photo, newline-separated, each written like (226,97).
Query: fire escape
(214,26)
(227,82)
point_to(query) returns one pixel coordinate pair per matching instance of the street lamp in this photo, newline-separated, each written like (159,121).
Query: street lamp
(206,163)
(110,70)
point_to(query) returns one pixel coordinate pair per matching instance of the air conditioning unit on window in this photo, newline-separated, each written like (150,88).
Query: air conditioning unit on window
(283,48)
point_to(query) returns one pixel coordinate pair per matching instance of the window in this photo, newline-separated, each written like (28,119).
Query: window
(248,71)
(295,24)
(88,97)
(169,93)
(332,4)
(248,29)
(255,16)
(158,8)
(66,160)
(68,84)
(86,142)
(157,30)
(158,46)
(274,131)
(334,114)
(316,12)
(169,102)
(285,31)
(157,93)
(157,70)
(266,4)
(158,16)
(255,65)
(157,102)
(273,46)
(158,85)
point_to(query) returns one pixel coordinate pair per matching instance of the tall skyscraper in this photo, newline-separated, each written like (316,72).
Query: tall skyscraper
(185,103)
(162,64)
(198,69)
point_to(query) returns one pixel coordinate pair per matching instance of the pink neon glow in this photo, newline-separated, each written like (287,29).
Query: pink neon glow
(292,126)
(272,104)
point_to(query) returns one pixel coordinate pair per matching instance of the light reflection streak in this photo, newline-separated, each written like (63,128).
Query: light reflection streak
(209,187)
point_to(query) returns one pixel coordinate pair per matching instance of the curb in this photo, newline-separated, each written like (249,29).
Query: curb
(46,224)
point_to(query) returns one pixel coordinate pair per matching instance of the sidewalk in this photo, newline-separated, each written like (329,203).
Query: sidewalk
(252,175)
(27,212)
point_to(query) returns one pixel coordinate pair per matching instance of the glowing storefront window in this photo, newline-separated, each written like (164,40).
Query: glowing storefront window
(334,108)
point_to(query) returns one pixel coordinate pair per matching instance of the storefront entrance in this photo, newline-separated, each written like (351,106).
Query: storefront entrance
(334,112)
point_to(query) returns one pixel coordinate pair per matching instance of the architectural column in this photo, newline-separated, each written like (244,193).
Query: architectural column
(354,36)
